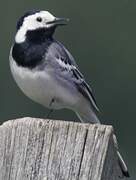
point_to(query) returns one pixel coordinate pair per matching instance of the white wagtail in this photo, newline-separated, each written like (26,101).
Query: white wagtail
(46,72)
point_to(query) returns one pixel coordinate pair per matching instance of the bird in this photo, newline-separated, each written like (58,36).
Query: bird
(47,73)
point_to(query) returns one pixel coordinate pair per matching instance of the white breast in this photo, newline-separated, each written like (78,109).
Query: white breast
(41,87)
(35,85)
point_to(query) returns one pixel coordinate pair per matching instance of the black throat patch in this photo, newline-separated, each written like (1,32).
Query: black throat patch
(28,54)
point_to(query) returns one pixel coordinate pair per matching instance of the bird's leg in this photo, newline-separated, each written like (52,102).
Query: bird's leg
(49,113)
(51,110)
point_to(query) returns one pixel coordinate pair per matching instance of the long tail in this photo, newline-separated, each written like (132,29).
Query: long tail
(121,162)
(122,165)
(89,116)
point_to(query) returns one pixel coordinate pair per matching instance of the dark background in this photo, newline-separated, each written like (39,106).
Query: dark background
(102,37)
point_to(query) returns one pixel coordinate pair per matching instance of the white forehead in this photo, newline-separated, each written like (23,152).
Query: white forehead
(44,14)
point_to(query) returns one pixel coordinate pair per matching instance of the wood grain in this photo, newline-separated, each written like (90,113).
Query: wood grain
(37,149)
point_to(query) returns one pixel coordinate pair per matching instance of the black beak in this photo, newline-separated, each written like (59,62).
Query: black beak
(58,21)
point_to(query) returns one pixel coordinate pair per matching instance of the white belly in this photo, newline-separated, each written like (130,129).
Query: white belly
(41,87)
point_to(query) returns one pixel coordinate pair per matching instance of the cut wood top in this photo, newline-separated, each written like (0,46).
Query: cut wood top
(38,149)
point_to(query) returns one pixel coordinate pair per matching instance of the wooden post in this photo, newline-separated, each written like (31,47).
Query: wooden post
(37,149)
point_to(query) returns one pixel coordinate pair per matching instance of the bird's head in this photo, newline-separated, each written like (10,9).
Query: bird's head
(37,23)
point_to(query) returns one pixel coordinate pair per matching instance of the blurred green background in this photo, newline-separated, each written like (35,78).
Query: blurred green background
(102,37)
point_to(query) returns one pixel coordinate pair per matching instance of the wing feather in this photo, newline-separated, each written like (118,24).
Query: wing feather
(69,70)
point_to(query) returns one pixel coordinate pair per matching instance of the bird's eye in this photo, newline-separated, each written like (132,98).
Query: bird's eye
(39,19)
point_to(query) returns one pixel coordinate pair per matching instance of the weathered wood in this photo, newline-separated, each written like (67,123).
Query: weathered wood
(36,149)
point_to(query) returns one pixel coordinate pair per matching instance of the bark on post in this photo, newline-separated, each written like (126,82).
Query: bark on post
(37,149)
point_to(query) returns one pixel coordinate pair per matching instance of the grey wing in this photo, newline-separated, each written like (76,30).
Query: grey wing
(66,67)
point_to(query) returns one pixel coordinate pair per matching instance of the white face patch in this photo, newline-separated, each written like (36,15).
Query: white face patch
(31,23)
